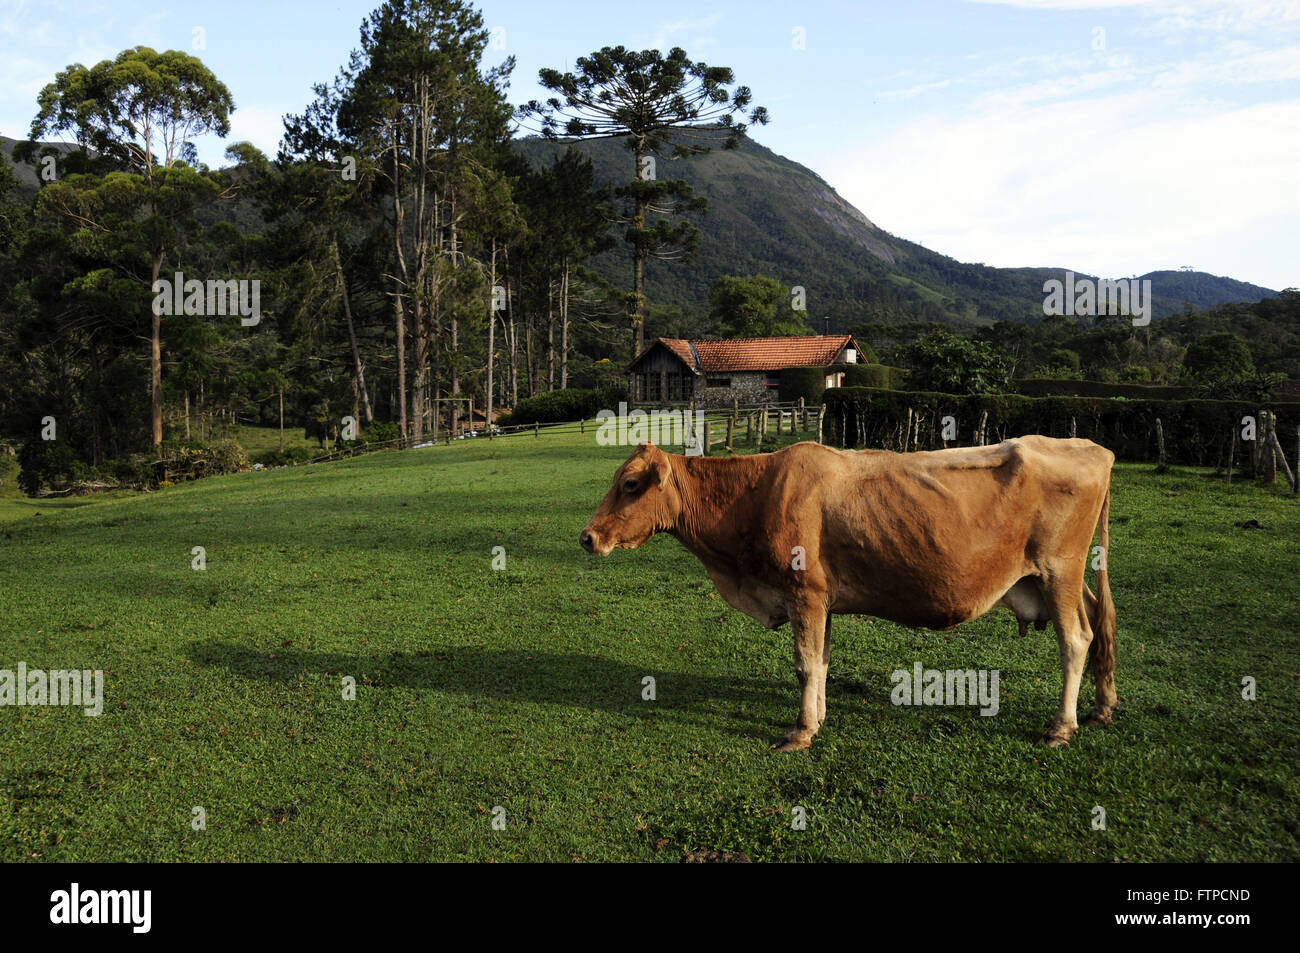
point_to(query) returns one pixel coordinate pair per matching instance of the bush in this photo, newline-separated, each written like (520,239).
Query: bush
(284,458)
(45,463)
(135,471)
(559,406)
(191,459)
(381,431)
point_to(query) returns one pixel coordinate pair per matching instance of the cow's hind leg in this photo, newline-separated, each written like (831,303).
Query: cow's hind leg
(810,663)
(826,666)
(1073,635)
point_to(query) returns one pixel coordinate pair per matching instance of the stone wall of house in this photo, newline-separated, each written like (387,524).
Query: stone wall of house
(747,387)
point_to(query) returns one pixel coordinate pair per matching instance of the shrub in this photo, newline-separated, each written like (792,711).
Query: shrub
(558,406)
(191,459)
(282,458)
(380,431)
(46,462)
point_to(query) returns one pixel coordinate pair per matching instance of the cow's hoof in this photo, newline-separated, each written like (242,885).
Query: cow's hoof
(1098,716)
(1057,737)
(796,740)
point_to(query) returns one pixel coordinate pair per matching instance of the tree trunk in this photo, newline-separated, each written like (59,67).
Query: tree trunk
(550,335)
(640,256)
(491,343)
(455,376)
(400,282)
(564,325)
(358,371)
(155,362)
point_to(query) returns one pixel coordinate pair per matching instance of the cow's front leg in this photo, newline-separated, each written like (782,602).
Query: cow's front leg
(810,663)
(826,667)
(1073,636)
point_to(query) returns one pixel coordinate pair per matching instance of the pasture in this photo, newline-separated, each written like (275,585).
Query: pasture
(521,687)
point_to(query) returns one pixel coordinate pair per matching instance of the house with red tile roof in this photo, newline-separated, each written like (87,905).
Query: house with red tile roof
(748,370)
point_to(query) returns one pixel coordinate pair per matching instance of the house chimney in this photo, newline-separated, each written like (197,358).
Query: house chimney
(827,324)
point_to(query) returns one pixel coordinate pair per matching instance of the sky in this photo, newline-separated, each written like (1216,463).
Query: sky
(1112,137)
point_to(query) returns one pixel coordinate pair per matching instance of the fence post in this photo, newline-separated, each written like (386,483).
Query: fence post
(1160,443)
(780,419)
(731,429)
(537,429)
(1268,462)
(582,427)
(1279,454)
(706,438)
(1232,452)
(821,412)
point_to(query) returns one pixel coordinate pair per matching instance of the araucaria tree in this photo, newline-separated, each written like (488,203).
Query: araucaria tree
(667,107)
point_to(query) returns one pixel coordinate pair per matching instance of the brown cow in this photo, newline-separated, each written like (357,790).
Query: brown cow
(929,539)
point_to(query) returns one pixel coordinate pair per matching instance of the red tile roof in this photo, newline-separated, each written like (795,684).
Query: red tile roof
(757,354)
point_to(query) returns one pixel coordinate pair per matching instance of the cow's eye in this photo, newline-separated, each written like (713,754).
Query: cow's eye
(629,486)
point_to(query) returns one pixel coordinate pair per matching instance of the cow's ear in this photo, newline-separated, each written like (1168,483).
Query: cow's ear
(661,469)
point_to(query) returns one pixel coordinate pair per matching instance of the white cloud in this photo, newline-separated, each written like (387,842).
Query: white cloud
(669,34)
(1101,186)
(260,125)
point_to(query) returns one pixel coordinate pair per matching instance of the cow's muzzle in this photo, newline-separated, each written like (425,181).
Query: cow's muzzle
(587,540)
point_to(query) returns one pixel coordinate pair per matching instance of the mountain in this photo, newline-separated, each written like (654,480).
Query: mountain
(769,215)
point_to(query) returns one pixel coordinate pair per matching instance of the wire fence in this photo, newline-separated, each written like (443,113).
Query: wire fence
(713,428)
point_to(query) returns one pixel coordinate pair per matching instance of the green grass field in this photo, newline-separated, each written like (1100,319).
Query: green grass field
(521,688)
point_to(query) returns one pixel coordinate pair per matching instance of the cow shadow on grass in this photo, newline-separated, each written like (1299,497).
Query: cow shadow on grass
(720,702)
(749,707)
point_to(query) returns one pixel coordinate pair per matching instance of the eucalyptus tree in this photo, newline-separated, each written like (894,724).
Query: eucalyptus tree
(138,113)
(664,107)
(418,107)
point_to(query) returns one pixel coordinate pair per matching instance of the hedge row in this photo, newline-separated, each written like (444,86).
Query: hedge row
(559,406)
(810,382)
(1196,432)
(1043,387)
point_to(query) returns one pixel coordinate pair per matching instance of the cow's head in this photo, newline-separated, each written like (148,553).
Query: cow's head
(643,501)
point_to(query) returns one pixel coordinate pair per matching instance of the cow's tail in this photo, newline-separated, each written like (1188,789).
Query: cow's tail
(1102,651)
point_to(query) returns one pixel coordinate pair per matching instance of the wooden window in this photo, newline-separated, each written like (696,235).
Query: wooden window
(718,382)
